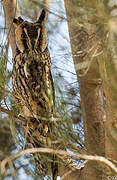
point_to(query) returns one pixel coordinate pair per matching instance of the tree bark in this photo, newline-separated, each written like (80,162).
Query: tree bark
(11,10)
(110,89)
(91,91)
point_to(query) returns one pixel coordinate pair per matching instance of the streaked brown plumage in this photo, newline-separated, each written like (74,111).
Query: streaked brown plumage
(32,80)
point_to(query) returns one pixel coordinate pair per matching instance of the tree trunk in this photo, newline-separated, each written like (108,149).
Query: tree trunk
(91,91)
(11,10)
(110,89)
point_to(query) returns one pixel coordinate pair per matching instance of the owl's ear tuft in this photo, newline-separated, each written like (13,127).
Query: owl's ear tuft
(43,16)
(17,22)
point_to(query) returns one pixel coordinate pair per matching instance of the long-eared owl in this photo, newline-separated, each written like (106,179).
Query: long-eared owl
(32,79)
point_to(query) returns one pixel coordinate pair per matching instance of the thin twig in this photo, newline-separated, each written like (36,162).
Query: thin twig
(47,8)
(10,113)
(69,172)
(66,174)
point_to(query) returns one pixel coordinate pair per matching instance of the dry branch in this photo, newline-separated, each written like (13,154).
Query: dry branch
(57,152)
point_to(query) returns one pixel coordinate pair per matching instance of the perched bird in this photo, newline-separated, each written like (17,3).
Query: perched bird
(33,84)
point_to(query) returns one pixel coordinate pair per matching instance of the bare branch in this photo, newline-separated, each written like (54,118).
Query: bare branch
(58,152)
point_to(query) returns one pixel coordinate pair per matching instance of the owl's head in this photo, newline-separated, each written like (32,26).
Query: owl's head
(31,36)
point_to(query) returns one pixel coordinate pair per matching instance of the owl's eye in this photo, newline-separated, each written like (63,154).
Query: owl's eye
(20,19)
(17,22)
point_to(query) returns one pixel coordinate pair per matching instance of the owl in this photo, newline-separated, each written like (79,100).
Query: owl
(33,83)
